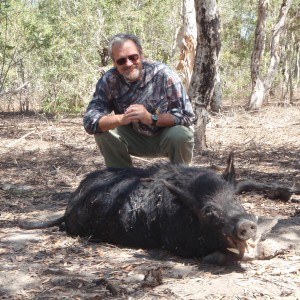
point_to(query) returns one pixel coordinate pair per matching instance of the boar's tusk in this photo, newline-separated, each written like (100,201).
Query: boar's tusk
(234,250)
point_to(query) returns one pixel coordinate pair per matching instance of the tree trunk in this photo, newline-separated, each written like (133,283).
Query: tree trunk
(262,87)
(260,40)
(187,42)
(287,84)
(297,67)
(216,101)
(205,71)
(275,45)
(257,95)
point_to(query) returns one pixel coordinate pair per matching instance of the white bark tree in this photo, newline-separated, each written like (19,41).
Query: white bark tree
(206,67)
(297,50)
(258,51)
(187,42)
(260,86)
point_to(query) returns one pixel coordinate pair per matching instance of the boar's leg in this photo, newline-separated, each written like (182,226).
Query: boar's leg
(222,258)
(271,190)
(24,224)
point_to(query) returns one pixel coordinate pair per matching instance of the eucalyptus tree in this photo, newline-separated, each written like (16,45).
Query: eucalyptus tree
(258,50)
(261,86)
(206,68)
(187,42)
(290,60)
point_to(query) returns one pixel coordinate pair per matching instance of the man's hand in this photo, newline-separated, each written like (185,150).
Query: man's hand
(137,113)
(134,113)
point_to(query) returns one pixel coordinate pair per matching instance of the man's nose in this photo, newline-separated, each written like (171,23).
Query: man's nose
(128,62)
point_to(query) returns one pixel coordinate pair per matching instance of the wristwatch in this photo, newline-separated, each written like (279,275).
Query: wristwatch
(154,119)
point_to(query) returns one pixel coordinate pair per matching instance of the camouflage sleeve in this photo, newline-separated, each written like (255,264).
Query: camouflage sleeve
(179,103)
(97,108)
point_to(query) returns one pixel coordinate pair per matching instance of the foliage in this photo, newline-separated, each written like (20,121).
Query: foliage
(55,46)
(55,49)
(238,32)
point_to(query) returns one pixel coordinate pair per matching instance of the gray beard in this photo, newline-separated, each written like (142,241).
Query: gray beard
(134,78)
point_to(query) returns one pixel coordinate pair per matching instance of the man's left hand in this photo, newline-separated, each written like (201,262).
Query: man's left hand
(138,113)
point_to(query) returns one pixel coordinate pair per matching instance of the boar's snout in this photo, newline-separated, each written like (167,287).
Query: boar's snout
(246,230)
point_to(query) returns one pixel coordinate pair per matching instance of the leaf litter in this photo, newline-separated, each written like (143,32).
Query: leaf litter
(42,162)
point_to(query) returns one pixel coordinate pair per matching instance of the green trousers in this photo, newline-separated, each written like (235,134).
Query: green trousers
(116,146)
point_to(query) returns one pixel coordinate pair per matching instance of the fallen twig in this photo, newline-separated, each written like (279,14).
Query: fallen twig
(21,138)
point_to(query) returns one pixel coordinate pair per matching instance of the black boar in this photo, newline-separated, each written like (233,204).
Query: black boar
(191,211)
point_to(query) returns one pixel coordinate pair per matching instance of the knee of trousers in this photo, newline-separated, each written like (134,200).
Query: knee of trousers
(107,136)
(180,135)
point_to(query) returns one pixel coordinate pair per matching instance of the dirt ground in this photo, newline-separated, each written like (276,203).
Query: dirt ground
(43,160)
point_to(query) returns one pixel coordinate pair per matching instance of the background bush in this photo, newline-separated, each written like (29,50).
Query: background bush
(56,50)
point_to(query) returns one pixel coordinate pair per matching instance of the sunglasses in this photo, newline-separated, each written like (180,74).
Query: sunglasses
(133,58)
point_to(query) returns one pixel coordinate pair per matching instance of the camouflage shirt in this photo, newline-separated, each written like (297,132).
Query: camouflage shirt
(160,90)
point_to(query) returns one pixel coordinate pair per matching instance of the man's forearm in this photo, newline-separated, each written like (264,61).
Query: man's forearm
(110,122)
(165,120)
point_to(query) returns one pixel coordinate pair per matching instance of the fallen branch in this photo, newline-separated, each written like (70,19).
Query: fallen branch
(27,134)
(19,139)
(283,125)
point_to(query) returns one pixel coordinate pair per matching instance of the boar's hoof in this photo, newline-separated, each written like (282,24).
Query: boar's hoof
(221,258)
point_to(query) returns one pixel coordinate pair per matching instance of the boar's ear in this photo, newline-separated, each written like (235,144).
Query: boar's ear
(229,173)
(183,196)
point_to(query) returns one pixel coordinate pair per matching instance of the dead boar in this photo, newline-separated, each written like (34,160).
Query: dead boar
(191,211)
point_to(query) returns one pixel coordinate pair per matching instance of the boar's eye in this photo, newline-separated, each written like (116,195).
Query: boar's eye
(211,212)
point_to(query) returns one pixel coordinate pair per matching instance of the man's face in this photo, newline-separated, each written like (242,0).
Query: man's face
(128,60)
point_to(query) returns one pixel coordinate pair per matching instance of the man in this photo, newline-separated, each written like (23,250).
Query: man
(152,115)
